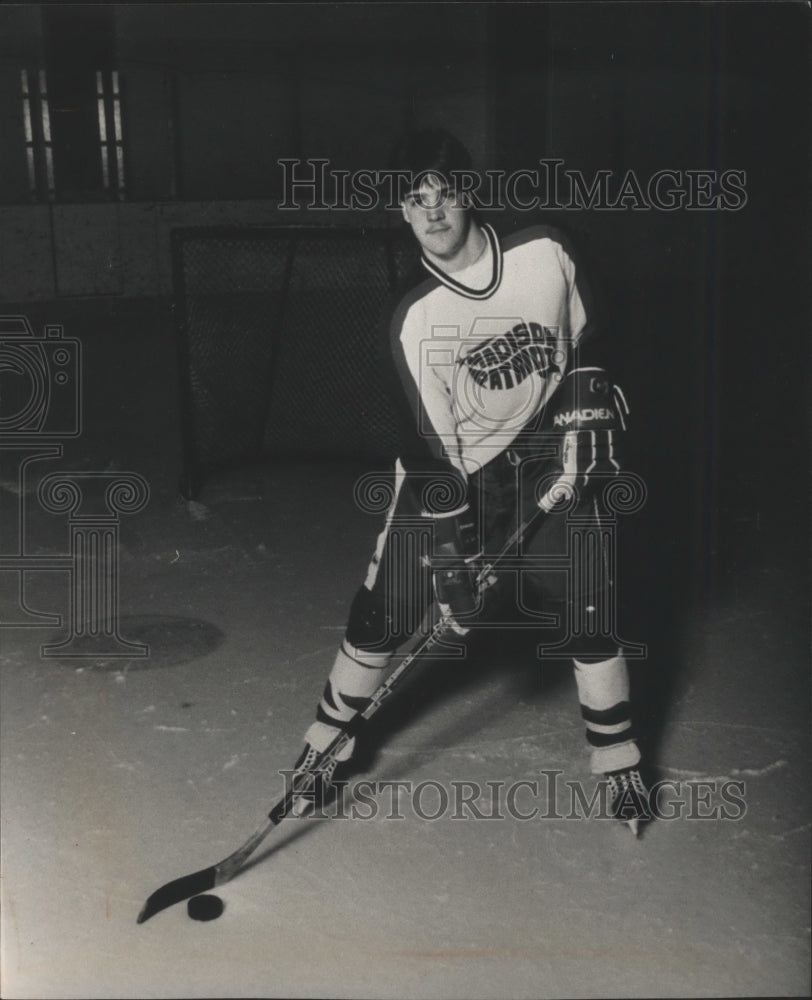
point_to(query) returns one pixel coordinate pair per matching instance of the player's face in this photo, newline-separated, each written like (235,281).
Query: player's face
(439,220)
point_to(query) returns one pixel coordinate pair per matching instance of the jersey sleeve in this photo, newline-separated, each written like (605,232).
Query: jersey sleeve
(586,308)
(431,448)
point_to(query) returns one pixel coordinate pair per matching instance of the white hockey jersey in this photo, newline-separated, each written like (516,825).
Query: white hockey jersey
(481,351)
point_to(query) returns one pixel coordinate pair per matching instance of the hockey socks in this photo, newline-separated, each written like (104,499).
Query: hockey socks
(603,691)
(355,676)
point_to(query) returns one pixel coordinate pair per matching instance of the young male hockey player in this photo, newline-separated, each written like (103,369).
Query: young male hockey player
(492,350)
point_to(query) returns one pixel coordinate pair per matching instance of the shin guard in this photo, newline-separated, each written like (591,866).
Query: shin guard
(603,691)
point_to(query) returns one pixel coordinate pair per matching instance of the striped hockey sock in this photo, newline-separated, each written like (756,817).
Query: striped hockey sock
(355,675)
(603,691)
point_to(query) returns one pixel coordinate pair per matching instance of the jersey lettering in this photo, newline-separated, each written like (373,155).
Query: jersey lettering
(505,361)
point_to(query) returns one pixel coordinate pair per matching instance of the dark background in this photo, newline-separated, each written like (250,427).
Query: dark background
(119,773)
(708,309)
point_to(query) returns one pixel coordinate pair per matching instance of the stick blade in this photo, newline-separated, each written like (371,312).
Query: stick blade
(206,879)
(178,890)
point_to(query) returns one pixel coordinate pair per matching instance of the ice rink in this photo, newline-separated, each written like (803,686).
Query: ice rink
(162,651)
(121,774)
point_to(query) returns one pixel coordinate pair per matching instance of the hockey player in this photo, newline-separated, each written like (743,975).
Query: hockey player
(492,349)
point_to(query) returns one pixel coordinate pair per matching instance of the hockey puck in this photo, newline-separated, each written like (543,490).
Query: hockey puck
(204,907)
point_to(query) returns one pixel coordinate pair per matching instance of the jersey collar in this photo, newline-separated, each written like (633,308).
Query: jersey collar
(457,286)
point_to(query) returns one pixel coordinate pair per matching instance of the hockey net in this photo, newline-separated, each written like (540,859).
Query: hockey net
(280,344)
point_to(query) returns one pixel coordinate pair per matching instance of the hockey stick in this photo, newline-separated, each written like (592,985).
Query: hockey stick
(208,878)
(223,871)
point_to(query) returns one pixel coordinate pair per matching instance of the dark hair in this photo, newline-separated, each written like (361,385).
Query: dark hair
(430,150)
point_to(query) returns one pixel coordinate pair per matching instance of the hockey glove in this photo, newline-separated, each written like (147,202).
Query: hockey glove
(455,565)
(590,412)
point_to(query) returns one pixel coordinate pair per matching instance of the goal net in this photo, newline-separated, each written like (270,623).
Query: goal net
(281,344)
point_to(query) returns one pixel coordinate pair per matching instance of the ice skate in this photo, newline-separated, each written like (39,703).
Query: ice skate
(312,783)
(315,787)
(629,798)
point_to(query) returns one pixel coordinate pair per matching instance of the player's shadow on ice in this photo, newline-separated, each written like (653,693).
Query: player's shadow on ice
(290,830)
(447,683)
(441,682)
(661,596)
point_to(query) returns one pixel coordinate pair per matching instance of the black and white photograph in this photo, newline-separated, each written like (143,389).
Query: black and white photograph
(404,563)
